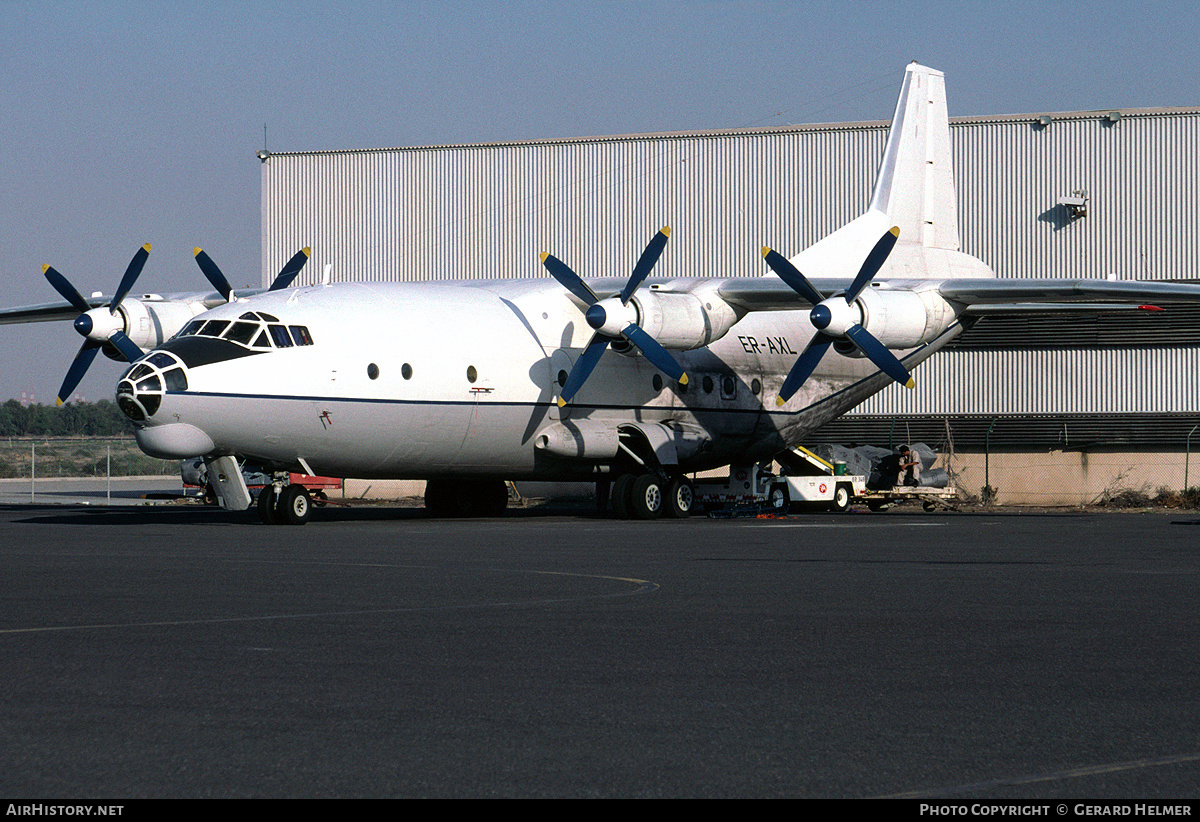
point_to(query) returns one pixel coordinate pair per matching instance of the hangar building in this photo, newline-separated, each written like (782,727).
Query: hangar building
(1052,409)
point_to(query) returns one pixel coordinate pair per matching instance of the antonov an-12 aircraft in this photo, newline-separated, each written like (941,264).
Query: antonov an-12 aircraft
(636,381)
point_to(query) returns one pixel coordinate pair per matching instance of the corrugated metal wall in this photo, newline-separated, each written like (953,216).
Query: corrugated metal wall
(487,211)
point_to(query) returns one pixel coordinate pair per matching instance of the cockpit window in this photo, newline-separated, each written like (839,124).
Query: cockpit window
(191,328)
(249,326)
(213,328)
(279,336)
(241,332)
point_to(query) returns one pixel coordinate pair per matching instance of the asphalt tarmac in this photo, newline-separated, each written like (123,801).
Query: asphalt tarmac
(185,652)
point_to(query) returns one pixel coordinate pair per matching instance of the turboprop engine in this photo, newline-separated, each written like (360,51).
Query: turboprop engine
(902,318)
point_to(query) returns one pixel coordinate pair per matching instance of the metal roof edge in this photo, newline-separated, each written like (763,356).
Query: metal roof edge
(868,125)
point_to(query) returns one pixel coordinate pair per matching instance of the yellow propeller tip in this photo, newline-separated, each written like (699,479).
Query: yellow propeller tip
(894,231)
(780,401)
(666,231)
(146,248)
(196,251)
(45,267)
(766,249)
(561,402)
(911,383)
(306,251)
(58,403)
(543,256)
(683,379)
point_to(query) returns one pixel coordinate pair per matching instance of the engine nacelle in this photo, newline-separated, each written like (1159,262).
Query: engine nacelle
(579,439)
(150,323)
(904,319)
(682,320)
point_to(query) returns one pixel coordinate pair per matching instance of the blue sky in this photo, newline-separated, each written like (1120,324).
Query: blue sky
(133,122)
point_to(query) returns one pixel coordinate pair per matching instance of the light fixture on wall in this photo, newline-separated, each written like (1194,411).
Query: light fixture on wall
(1076,204)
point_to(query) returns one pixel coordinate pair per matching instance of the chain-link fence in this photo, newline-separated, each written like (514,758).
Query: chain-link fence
(79,457)
(1090,474)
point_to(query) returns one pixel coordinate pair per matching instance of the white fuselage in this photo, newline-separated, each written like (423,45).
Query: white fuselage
(422,380)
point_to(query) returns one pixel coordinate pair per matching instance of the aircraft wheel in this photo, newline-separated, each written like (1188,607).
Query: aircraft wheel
(441,498)
(295,506)
(622,496)
(490,498)
(681,498)
(647,499)
(268,513)
(779,500)
(841,498)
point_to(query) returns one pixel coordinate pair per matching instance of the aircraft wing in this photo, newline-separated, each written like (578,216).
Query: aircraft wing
(977,296)
(1006,296)
(46,312)
(50,312)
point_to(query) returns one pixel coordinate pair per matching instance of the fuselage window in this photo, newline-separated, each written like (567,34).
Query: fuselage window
(657,382)
(241,332)
(406,371)
(728,387)
(300,334)
(472,374)
(708,385)
(279,335)
(213,328)
(373,371)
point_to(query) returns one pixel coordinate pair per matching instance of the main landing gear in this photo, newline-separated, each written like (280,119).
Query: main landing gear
(466,498)
(280,504)
(650,496)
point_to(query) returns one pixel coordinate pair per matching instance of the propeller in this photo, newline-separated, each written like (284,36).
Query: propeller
(614,318)
(835,318)
(282,280)
(99,325)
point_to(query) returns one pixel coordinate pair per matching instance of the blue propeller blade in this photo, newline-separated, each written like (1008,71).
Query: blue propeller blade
(805,364)
(873,263)
(568,279)
(131,275)
(128,348)
(63,287)
(791,275)
(212,273)
(290,270)
(583,368)
(654,352)
(78,368)
(878,353)
(645,263)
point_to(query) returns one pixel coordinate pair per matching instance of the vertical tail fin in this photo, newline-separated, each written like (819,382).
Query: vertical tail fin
(915,186)
(914,191)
